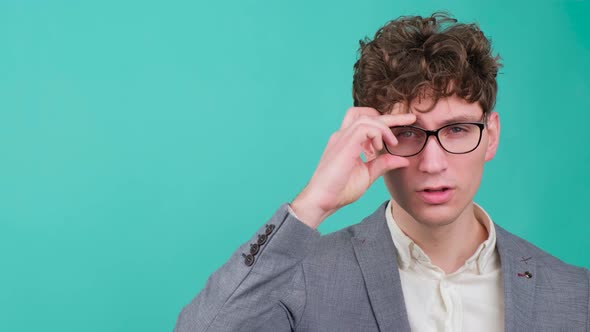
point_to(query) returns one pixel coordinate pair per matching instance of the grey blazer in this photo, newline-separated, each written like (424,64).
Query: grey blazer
(289,278)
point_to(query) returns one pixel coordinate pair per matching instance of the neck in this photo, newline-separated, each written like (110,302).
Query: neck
(447,245)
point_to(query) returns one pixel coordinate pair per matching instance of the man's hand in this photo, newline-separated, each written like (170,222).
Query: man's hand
(341,176)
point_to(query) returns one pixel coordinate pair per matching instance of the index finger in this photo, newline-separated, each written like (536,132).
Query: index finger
(392,120)
(354,113)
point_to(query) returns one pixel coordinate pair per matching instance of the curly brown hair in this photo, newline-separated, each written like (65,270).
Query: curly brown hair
(414,57)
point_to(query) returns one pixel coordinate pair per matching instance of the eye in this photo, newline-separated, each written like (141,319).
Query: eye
(406,134)
(458,130)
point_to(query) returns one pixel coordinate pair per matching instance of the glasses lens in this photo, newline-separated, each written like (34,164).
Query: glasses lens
(409,141)
(460,137)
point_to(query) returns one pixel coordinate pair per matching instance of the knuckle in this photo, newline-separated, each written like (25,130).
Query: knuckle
(365,123)
(373,133)
(364,118)
(364,127)
(334,137)
(351,113)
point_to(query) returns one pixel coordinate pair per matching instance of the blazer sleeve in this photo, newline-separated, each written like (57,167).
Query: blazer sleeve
(261,287)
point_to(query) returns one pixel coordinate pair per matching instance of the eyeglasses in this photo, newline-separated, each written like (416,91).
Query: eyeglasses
(456,138)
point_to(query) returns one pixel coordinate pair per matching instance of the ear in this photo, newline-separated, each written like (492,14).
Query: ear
(368,150)
(493,130)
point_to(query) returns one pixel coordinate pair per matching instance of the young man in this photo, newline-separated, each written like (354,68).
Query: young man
(429,259)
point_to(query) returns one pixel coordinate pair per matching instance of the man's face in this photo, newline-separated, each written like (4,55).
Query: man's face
(416,189)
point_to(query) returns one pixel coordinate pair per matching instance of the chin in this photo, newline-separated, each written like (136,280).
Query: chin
(435,215)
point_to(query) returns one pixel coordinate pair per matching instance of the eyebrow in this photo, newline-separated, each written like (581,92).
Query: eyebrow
(455,119)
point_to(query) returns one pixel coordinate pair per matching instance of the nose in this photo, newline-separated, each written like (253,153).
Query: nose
(433,158)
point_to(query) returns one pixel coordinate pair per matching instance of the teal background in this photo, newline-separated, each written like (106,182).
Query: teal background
(143,141)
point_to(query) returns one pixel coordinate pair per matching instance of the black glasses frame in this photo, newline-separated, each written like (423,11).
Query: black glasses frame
(434,133)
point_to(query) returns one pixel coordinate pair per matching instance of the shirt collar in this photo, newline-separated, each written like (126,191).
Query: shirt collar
(410,253)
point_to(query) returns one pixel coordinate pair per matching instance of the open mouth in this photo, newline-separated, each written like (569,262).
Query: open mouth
(436,190)
(436,195)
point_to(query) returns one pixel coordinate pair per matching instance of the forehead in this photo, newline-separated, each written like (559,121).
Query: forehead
(447,110)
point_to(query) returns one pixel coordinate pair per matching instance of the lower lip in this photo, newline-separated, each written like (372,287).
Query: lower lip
(436,197)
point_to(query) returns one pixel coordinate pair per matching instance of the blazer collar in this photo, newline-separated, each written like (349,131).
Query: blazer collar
(377,258)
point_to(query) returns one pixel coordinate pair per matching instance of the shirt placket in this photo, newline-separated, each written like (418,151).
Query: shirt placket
(453,306)
(451,299)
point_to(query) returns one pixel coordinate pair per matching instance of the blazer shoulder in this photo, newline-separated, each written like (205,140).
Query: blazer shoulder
(551,265)
(337,248)
(341,241)
(337,242)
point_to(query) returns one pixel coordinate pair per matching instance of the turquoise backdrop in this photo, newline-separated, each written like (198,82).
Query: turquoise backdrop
(143,141)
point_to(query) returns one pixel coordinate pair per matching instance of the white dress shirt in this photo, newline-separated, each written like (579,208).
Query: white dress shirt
(469,299)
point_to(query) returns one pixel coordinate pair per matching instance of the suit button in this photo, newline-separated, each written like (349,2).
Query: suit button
(269,229)
(254,247)
(248,259)
(261,239)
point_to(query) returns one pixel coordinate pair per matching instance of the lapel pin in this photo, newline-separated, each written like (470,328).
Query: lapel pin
(526,260)
(526,274)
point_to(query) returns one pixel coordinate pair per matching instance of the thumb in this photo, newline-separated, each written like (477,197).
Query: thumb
(384,163)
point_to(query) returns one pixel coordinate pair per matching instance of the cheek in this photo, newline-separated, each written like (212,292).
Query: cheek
(468,171)
(398,182)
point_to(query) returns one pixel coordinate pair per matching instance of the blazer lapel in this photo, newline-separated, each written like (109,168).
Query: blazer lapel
(377,258)
(519,273)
